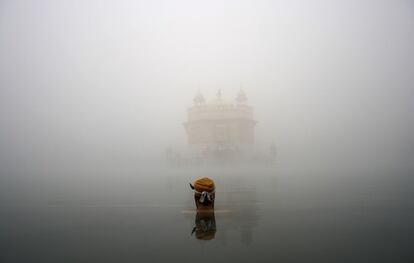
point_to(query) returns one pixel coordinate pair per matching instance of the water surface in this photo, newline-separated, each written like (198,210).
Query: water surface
(262,215)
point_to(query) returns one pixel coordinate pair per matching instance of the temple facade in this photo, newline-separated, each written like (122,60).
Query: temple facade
(220,127)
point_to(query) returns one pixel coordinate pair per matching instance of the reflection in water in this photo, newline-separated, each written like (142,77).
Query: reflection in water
(205,226)
(258,217)
(235,208)
(238,193)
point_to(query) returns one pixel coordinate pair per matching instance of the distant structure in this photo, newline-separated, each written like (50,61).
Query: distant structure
(219,129)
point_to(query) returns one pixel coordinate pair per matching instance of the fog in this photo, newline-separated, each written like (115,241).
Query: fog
(108,83)
(94,95)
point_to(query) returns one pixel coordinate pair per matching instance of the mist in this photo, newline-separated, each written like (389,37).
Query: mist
(328,80)
(93,94)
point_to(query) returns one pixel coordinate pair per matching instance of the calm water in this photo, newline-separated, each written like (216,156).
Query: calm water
(262,215)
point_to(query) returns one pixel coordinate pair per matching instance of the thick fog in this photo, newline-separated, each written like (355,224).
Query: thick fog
(109,82)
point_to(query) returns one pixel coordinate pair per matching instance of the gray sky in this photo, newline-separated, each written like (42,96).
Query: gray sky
(117,76)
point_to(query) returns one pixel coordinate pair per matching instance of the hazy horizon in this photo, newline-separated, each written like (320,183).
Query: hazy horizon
(93,93)
(330,81)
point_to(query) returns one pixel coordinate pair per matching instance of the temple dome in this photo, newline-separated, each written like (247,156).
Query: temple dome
(241,97)
(199,98)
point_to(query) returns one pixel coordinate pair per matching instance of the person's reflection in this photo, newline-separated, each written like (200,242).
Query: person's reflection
(205,225)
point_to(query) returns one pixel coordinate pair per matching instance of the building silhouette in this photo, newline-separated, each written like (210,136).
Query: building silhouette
(218,128)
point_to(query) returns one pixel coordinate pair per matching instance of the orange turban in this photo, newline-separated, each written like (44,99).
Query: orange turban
(204,184)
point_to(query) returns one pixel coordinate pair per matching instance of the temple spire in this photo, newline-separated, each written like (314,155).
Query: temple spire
(218,94)
(241,97)
(199,98)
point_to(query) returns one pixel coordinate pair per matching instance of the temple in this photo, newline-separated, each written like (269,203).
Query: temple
(219,127)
